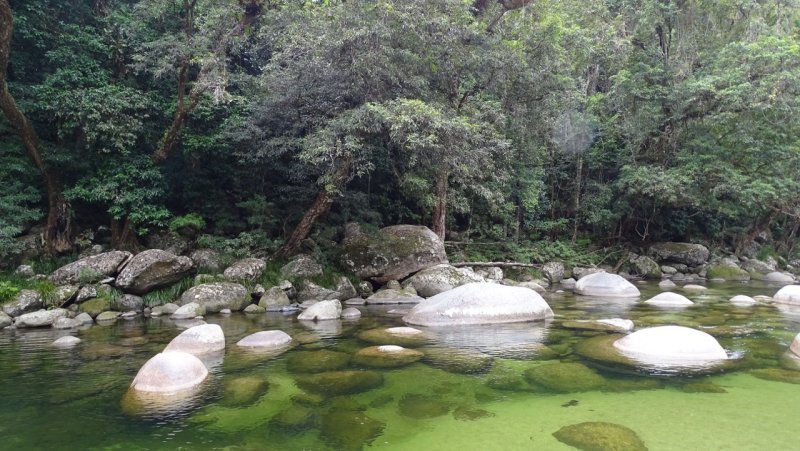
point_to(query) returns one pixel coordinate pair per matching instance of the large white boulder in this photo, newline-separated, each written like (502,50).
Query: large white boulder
(669,299)
(670,345)
(170,372)
(790,294)
(322,311)
(779,277)
(268,339)
(480,303)
(605,285)
(741,299)
(198,340)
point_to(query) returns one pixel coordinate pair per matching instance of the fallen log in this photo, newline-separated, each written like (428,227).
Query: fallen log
(498,264)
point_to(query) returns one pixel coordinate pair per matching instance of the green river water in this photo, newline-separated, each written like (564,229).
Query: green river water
(73,399)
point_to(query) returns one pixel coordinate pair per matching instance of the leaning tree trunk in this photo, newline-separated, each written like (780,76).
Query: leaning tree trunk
(123,235)
(58,234)
(440,210)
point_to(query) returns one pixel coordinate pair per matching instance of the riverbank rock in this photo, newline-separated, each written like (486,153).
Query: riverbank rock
(779,277)
(313,292)
(394,295)
(386,356)
(669,299)
(669,345)
(217,296)
(603,284)
(690,254)
(790,294)
(249,269)
(254,309)
(600,436)
(301,266)
(94,307)
(67,323)
(727,271)
(392,253)
(553,271)
(667,284)
(5,320)
(91,269)
(274,299)
(26,301)
(644,266)
(206,260)
(41,318)
(403,336)
(188,311)
(440,278)
(322,311)
(67,341)
(351,313)
(198,340)
(170,372)
(480,303)
(107,316)
(167,309)
(153,269)
(129,302)
(335,383)
(268,339)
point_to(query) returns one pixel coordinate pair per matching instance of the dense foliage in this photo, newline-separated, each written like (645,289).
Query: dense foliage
(264,121)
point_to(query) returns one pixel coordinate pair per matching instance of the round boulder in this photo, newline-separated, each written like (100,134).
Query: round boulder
(597,435)
(669,299)
(790,294)
(779,277)
(67,341)
(665,345)
(480,303)
(322,311)
(198,340)
(386,356)
(742,300)
(170,372)
(268,339)
(604,284)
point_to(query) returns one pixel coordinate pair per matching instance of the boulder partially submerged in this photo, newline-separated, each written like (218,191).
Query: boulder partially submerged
(170,372)
(198,340)
(671,345)
(440,278)
(790,294)
(480,303)
(669,299)
(604,284)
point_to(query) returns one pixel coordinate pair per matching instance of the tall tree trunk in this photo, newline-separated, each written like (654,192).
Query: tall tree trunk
(123,235)
(58,234)
(577,201)
(322,203)
(440,210)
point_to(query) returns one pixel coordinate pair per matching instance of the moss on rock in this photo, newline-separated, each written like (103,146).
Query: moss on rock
(403,337)
(294,419)
(349,430)
(777,375)
(565,377)
(421,406)
(94,307)
(243,391)
(727,273)
(457,360)
(336,383)
(600,436)
(316,361)
(387,356)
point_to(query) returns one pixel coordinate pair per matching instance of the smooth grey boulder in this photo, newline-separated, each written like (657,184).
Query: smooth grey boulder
(604,284)
(67,341)
(129,302)
(491,273)
(153,269)
(26,301)
(757,266)
(301,266)
(167,309)
(313,292)
(274,299)
(322,311)
(188,311)
(206,260)
(670,345)
(5,320)
(91,269)
(690,254)
(790,294)
(351,313)
(480,303)
(667,284)
(249,269)
(779,277)
(217,296)
(41,318)
(198,340)
(669,299)
(741,299)
(84,318)
(440,278)
(106,316)
(170,372)
(268,339)
(392,253)
(553,271)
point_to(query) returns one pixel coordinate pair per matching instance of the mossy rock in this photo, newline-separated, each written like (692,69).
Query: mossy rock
(316,361)
(565,377)
(464,413)
(457,360)
(600,436)
(381,401)
(349,430)
(307,399)
(294,419)
(336,383)
(421,406)
(387,356)
(628,383)
(243,391)
(777,375)
(727,273)
(94,307)
(382,337)
(702,387)
(345,403)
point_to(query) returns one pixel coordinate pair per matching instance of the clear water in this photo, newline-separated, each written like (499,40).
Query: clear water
(72,399)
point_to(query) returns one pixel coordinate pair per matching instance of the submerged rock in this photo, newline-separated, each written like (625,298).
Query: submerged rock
(198,340)
(296,418)
(243,391)
(480,303)
(402,336)
(795,346)
(153,269)
(665,345)
(351,313)
(316,361)
(669,299)
(269,339)
(777,375)
(421,406)
(66,342)
(322,311)
(350,430)
(604,284)
(392,253)
(458,361)
(386,356)
(394,296)
(694,287)
(617,325)
(170,372)
(667,284)
(335,383)
(600,436)
(565,377)
(440,278)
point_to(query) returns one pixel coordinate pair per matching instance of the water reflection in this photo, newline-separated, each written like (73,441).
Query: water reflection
(511,340)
